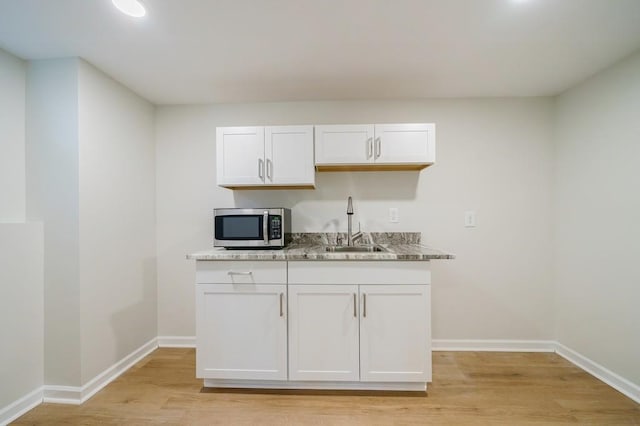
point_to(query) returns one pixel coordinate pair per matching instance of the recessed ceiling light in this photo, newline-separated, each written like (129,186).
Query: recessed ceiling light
(130,7)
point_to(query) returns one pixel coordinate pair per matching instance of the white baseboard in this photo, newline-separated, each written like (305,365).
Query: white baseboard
(617,382)
(494,345)
(79,394)
(177,341)
(21,406)
(62,394)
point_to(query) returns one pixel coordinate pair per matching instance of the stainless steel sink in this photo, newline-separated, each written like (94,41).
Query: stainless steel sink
(355,249)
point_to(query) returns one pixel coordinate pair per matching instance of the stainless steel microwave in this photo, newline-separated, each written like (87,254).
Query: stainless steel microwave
(267,228)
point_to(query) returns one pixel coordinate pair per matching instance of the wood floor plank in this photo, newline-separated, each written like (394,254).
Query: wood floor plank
(469,388)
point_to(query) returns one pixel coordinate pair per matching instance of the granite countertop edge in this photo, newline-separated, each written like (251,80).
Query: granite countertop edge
(394,252)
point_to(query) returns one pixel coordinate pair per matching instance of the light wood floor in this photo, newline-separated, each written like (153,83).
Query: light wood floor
(473,388)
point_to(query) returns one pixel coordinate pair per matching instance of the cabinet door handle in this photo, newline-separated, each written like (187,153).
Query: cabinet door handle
(261,169)
(269,169)
(281,304)
(369,147)
(378,149)
(364,305)
(355,302)
(239,273)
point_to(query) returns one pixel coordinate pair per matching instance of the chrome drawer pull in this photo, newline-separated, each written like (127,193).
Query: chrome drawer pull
(239,273)
(261,169)
(281,304)
(269,169)
(364,305)
(355,302)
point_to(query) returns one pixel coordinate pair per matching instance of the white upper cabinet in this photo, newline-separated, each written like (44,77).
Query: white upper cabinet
(265,157)
(289,155)
(404,144)
(375,147)
(240,155)
(344,144)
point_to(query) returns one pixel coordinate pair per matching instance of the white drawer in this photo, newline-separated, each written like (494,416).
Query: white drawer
(241,272)
(345,272)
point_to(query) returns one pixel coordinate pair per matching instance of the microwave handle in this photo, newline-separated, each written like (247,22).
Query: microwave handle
(265,227)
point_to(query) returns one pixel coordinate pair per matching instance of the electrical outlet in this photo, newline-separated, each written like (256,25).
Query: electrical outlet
(470,219)
(394,215)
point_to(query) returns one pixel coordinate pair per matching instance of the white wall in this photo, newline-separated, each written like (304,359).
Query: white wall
(493,156)
(117,221)
(12,128)
(21,311)
(597,200)
(52,198)
(21,254)
(91,181)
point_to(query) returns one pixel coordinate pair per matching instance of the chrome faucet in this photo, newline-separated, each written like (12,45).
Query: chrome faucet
(351,237)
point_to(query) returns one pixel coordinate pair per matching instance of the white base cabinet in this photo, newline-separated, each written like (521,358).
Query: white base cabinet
(345,325)
(395,333)
(388,303)
(242,332)
(323,332)
(241,323)
(368,333)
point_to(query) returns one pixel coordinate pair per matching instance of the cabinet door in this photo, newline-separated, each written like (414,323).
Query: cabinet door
(323,332)
(241,331)
(344,144)
(240,156)
(395,333)
(404,143)
(289,155)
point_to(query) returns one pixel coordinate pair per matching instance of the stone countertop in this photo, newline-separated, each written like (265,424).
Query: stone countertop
(295,252)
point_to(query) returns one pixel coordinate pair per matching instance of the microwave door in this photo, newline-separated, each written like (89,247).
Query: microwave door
(240,230)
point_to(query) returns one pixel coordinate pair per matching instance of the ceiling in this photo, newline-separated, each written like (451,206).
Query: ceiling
(201,51)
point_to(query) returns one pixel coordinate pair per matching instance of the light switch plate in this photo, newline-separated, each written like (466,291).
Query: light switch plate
(394,215)
(470,219)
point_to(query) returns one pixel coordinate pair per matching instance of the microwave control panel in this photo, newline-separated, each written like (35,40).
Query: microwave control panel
(275,227)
